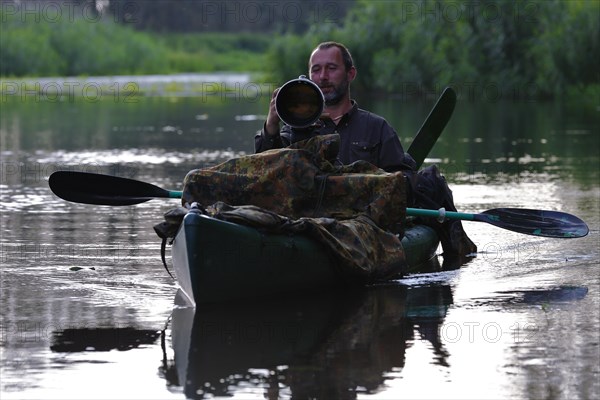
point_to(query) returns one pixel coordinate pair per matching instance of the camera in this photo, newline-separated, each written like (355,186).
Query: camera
(300,102)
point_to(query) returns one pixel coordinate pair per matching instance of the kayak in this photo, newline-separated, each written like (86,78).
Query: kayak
(221,261)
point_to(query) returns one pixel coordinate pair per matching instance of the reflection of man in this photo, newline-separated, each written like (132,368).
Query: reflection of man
(305,102)
(303,110)
(366,136)
(370,340)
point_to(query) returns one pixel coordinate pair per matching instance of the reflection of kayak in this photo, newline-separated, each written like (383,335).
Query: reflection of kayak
(316,346)
(216,345)
(217,261)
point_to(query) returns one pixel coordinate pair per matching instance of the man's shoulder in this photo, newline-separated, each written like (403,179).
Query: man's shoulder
(362,113)
(371,118)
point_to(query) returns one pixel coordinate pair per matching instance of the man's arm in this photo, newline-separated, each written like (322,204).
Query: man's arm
(392,156)
(264,141)
(271,136)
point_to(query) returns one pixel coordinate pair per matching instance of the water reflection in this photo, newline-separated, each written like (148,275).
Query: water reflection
(101,339)
(164,123)
(330,345)
(542,297)
(384,341)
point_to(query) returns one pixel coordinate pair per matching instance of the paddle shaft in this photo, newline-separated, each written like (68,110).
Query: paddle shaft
(439,214)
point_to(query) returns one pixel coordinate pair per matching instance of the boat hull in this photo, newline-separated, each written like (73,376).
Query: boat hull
(219,261)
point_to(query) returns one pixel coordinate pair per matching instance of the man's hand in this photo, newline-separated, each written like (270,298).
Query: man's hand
(272,124)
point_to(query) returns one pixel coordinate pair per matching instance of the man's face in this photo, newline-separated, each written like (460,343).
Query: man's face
(327,70)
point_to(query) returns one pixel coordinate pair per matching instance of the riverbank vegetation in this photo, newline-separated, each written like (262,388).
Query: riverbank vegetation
(33,46)
(500,48)
(213,52)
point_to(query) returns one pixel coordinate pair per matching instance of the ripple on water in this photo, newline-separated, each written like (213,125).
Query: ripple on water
(87,160)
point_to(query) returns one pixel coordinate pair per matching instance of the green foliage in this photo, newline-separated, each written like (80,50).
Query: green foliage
(210,52)
(574,43)
(75,47)
(515,48)
(28,52)
(528,48)
(289,53)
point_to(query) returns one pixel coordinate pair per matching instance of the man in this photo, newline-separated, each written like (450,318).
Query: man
(365,136)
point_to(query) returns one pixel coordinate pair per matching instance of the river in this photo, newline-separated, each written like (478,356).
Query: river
(89,312)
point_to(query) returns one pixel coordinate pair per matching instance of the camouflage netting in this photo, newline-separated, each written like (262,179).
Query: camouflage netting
(351,209)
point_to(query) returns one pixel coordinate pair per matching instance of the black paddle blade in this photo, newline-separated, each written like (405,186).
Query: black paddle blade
(545,223)
(89,188)
(433,126)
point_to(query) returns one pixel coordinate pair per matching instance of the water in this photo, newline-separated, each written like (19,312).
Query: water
(89,312)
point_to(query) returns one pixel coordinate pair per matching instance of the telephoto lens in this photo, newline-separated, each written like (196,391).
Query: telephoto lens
(300,102)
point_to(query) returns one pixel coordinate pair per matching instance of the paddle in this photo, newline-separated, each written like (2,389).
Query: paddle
(433,126)
(89,188)
(544,223)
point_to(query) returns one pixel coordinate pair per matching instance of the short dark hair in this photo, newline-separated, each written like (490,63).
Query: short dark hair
(346,56)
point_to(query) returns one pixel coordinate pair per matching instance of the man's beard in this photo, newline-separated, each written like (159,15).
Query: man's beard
(337,93)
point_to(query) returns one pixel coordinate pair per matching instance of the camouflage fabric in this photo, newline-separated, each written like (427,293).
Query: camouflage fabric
(364,252)
(301,190)
(302,181)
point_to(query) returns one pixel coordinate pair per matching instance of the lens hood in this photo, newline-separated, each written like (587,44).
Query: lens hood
(300,102)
